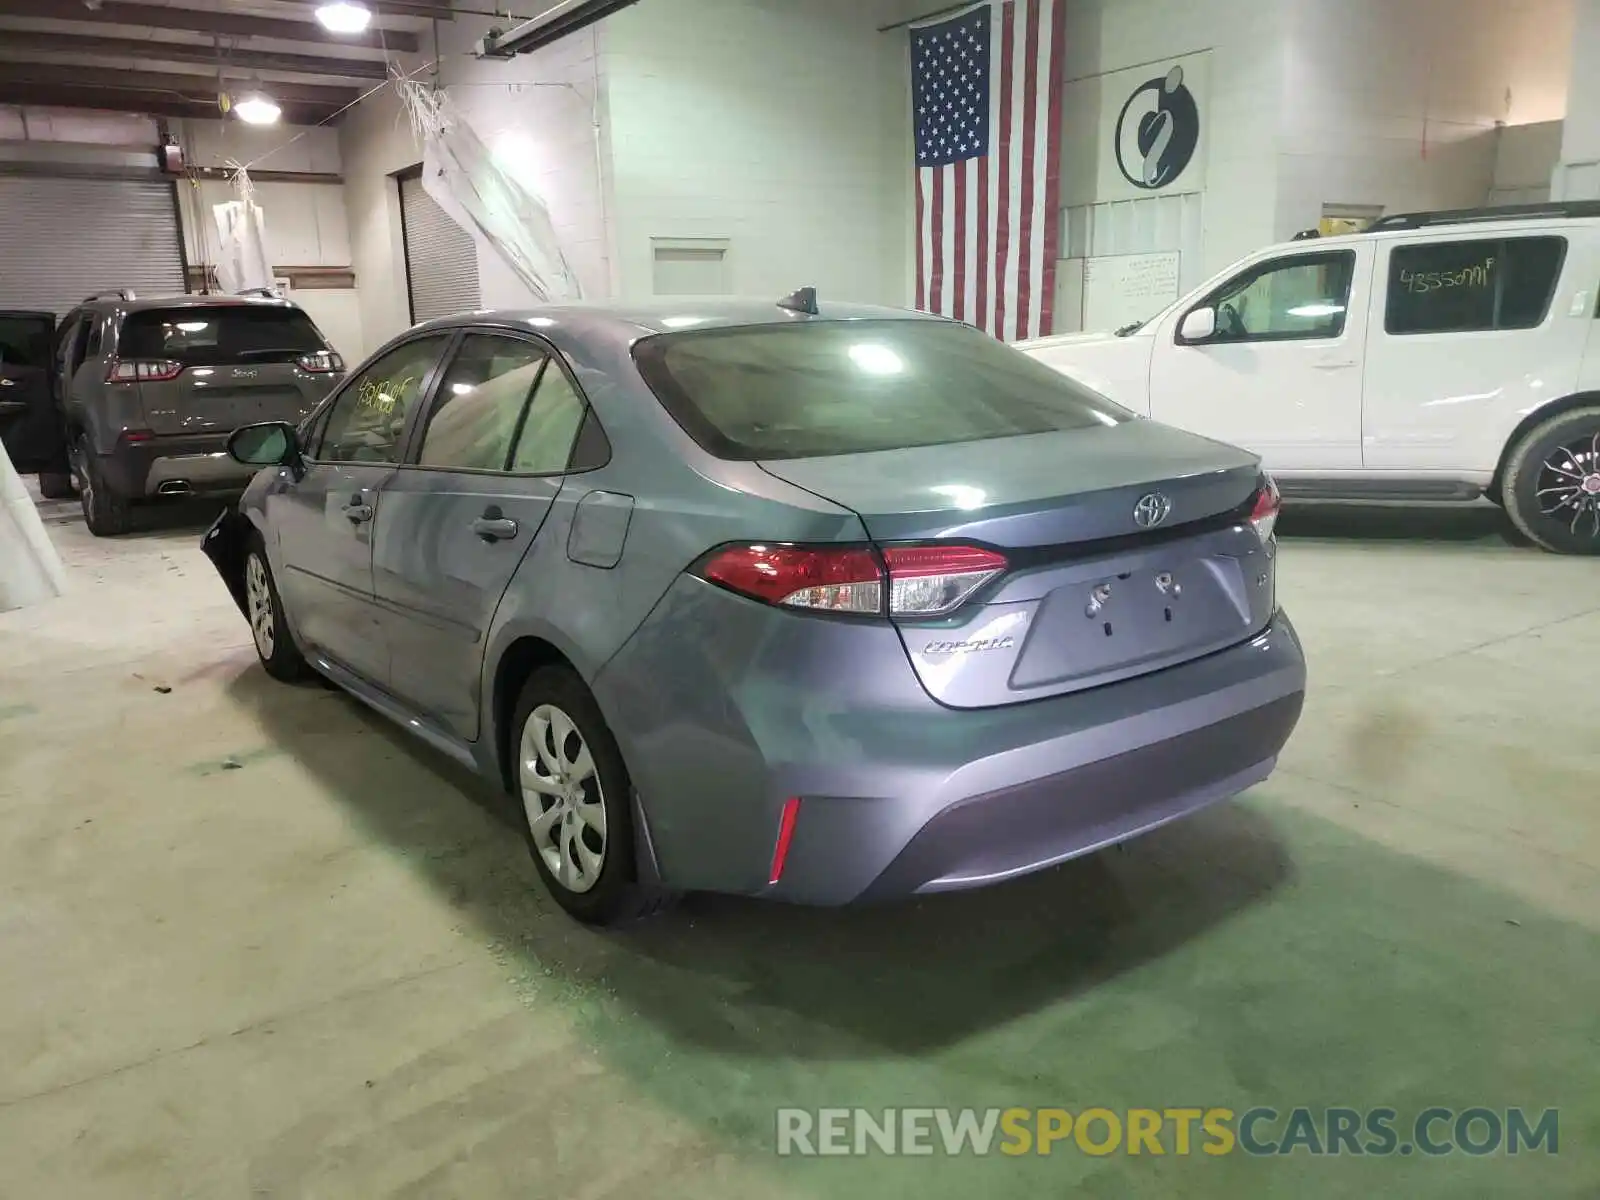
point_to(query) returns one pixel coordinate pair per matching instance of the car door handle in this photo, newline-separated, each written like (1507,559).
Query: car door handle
(1334,364)
(358,510)
(494,527)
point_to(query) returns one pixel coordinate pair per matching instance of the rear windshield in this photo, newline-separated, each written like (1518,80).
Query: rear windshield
(845,387)
(209,336)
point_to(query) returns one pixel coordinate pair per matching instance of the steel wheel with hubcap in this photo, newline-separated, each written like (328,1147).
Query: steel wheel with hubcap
(576,796)
(274,645)
(1552,485)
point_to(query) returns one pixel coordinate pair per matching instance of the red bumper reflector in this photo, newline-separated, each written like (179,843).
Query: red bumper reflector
(780,853)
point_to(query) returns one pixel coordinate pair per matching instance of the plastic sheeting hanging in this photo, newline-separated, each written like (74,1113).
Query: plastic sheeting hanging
(30,570)
(242,262)
(462,175)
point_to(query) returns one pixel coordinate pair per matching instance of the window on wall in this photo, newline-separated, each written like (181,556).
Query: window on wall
(1468,286)
(1286,299)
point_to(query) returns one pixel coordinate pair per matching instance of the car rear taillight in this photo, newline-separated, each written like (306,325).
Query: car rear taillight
(323,362)
(1264,513)
(929,581)
(143,370)
(922,581)
(846,580)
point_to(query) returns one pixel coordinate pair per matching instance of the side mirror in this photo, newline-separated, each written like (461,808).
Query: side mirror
(1199,326)
(269,444)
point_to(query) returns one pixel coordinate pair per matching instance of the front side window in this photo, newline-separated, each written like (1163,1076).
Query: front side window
(368,421)
(1286,299)
(847,387)
(1469,286)
(474,423)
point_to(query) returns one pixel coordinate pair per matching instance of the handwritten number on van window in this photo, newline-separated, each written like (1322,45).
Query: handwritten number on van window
(1479,275)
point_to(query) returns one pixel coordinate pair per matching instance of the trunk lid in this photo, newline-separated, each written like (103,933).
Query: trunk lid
(240,363)
(219,399)
(1091,595)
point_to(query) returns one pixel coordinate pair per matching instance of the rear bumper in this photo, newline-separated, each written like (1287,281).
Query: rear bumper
(900,795)
(195,464)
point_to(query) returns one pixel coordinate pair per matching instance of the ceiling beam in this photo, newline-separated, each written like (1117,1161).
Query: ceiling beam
(200,87)
(156,104)
(151,16)
(178,52)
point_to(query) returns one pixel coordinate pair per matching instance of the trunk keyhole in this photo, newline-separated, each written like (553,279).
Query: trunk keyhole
(1169,616)
(1108,628)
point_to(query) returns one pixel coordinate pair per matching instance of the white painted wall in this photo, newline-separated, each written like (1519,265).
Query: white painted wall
(1578,175)
(1395,102)
(375,141)
(1525,159)
(782,127)
(1244,80)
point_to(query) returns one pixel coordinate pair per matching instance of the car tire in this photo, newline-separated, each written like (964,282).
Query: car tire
(1552,483)
(56,485)
(573,789)
(106,513)
(275,645)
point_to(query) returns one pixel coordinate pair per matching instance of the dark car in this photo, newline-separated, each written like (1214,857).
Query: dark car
(127,400)
(816,602)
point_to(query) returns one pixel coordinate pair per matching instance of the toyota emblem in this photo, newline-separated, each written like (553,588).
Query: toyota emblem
(1151,510)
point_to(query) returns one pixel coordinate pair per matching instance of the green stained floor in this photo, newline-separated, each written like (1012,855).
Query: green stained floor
(255,943)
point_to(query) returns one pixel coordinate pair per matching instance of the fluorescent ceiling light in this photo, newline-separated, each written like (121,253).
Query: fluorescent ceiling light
(344,16)
(258,109)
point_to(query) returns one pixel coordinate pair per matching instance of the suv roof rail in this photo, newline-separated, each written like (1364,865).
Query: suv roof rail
(1471,216)
(270,293)
(112,294)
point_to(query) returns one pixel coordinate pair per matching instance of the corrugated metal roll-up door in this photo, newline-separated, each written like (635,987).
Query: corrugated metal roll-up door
(441,258)
(64,238)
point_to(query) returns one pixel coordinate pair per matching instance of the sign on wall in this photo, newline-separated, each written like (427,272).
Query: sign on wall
(1138,133)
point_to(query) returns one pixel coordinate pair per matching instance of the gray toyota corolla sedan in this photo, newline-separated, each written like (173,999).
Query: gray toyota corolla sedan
(816,602)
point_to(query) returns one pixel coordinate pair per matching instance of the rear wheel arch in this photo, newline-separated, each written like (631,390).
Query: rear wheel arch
(1530,422)
(517,663)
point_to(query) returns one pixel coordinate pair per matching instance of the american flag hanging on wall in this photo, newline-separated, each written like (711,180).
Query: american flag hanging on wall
(986,98)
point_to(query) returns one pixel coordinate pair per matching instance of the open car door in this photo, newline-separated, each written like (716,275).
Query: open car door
(30,420)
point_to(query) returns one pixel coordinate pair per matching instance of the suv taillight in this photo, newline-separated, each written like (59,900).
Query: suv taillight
(322,362)
(1264,513)
(142,370)
(919,581)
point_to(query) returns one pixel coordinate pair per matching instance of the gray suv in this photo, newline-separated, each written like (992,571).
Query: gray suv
(136,398)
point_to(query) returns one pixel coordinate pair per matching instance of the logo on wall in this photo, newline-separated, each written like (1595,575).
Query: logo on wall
(1158,131)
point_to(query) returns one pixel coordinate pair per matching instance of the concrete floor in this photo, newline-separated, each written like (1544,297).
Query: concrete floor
(253,942)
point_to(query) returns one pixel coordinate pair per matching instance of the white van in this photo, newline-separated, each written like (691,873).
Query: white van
(1438,356)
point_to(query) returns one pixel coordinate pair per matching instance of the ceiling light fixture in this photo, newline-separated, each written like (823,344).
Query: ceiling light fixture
(258,109)
(344,16)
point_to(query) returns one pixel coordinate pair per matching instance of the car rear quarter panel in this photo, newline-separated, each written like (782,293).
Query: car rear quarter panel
(684,503)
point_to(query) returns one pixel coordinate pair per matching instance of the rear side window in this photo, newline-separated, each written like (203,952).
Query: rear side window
(213,335)
(26,342)
(846,387)
(1460,287)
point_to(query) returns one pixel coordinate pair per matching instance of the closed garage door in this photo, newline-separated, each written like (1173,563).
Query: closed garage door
(62,239)
(441,259)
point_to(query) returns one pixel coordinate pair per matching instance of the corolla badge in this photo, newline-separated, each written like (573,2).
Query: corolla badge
(1151,510)
(244,373)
